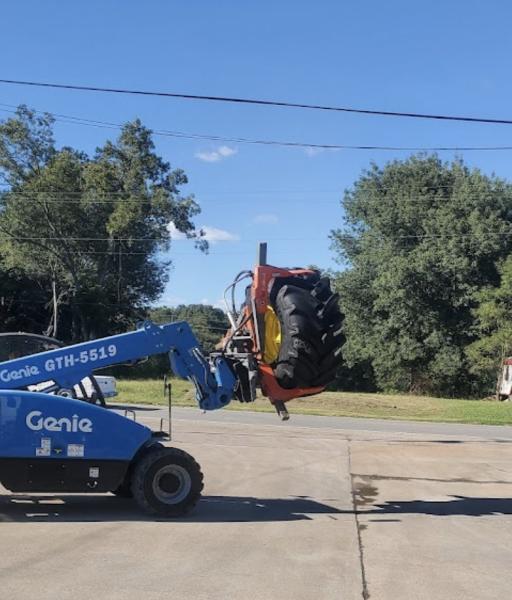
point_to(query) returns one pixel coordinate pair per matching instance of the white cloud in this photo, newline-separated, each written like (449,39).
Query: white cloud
(312,151)
(214,235)
(226,151)
(266,219)
(215,155)
(170,300)
(220,304)
(175,233)
(211,234)
(208,156)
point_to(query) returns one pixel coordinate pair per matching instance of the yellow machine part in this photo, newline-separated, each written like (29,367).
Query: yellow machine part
(272,336)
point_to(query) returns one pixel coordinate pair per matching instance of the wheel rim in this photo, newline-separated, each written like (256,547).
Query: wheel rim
(172,484)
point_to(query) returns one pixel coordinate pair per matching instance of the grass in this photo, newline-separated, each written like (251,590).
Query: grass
(342,404)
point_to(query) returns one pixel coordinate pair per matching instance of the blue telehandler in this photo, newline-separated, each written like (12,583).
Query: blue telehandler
(285,339)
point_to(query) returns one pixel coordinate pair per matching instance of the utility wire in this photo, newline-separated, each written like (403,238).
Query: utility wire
(86,201)
(261,102)
(116,304)
(298,239)
(290,144)
(141,239)
(424,188)
(220,253)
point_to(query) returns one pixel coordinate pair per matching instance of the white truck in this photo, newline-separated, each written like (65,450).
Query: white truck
(95,388)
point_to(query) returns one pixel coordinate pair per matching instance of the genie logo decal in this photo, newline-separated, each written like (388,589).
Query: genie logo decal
(36,421)
(7,376)
(62,360)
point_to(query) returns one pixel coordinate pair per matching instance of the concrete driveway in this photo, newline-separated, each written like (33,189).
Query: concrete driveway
(313,508)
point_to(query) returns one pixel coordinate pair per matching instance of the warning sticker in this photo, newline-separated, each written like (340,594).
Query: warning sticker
(76,450)
(46,447)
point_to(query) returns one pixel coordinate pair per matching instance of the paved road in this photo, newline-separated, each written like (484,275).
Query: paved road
(494,432)
(313,508)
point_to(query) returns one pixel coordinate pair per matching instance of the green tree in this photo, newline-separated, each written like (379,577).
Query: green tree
(421,239)
(23,303)
(494,329)
(90,231)
(208,323)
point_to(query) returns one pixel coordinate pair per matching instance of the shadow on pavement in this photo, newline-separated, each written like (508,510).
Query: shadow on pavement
(107,508)
(460,505)
(131,407)
(229,509)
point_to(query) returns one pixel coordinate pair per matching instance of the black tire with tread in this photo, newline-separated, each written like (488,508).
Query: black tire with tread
(311,332)
(148,466)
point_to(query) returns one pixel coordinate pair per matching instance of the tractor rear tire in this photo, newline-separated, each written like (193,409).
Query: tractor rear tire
(167,482)
(311,333)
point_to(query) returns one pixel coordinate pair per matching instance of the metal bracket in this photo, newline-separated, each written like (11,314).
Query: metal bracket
(168,393)
(281,410)
(129,411)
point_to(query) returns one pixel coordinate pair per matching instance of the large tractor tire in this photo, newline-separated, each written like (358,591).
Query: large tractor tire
(311,332)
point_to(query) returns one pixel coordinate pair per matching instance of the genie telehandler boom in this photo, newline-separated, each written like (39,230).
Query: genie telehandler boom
(285,339)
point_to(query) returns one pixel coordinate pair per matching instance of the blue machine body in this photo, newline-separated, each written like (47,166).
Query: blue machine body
(46,426)
(56,443)
(214,381)
(52,443)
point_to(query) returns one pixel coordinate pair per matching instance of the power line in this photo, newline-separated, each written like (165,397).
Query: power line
(261,102)
(483,234)
(389,200)
(426,188)
(290,144)
(122,195)
(120,304)
(171,252)
(278,239)
(138,240)
(93,196)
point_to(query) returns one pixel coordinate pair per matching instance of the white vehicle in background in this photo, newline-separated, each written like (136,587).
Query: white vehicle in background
(106,383)
(94,389)
(504,388)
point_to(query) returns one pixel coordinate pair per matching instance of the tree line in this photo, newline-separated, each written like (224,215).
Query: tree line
(423,247)
(82,238)
(427,277)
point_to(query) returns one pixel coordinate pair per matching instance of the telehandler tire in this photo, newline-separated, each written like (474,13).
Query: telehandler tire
(167,482)
(311,332)
(123,491)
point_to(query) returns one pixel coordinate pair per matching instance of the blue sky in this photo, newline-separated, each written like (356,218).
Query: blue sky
(444,57)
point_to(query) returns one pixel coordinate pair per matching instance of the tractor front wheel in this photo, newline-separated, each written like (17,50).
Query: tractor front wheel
(167,482)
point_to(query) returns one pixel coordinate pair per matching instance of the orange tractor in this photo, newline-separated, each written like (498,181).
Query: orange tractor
(287,336)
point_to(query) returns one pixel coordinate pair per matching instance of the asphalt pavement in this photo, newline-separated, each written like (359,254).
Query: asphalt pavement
(315,508)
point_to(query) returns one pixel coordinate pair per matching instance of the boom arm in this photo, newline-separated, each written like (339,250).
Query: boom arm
(213,379)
